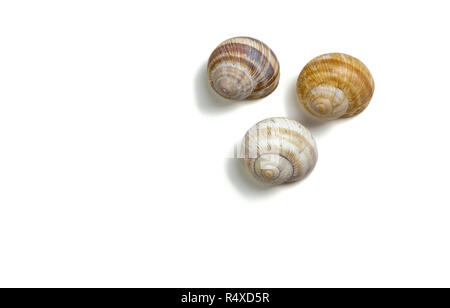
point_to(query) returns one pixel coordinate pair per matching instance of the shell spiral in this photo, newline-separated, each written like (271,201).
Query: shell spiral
(243,68)
(335,86)
(278,150)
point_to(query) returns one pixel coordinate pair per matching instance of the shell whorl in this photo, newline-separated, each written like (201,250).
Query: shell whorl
(243,68)
(278,150)
(335,86)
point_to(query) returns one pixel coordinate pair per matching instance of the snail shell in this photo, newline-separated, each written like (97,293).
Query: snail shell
(335,86)
(278,150)
(243,68)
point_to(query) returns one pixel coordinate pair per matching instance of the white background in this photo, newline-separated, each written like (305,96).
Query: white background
(115,155)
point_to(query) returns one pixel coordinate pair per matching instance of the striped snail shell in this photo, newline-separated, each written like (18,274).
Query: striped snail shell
(278,150)
(335,86)
(243,68)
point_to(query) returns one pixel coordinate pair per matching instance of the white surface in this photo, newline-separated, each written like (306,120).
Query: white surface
(115,164)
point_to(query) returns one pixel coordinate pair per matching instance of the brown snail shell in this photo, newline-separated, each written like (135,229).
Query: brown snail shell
(278,150)
(335,85)
(243,68)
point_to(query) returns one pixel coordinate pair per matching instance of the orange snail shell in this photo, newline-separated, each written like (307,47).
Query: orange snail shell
(334,86)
